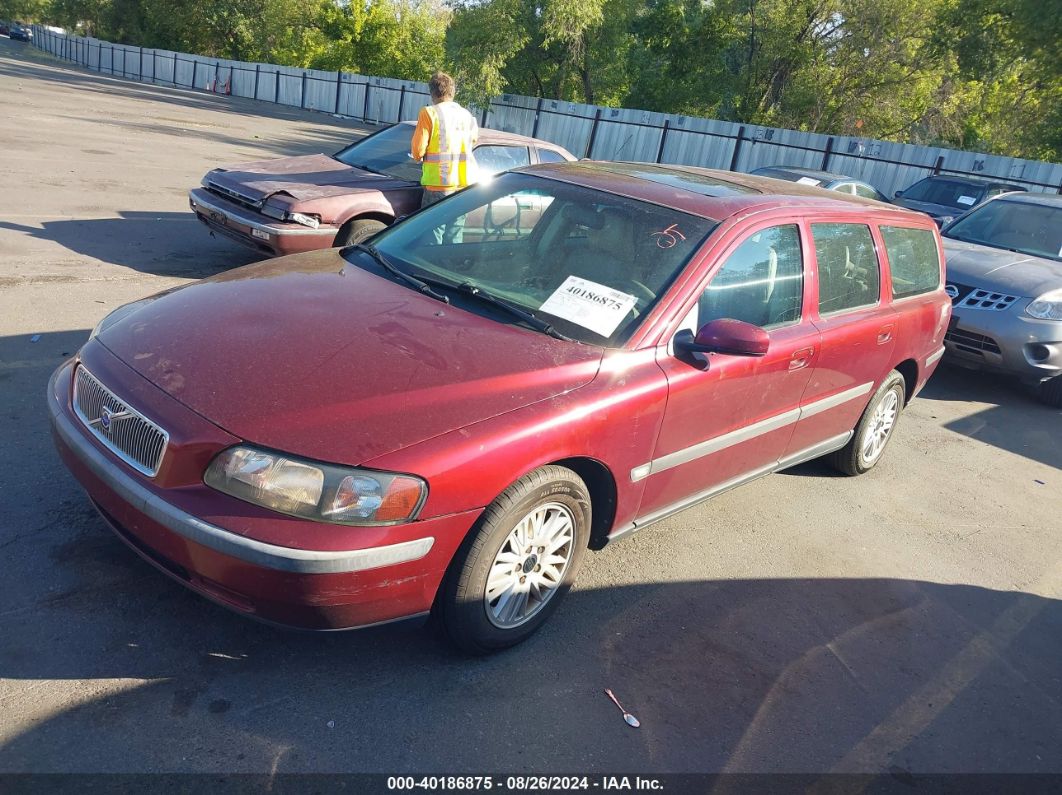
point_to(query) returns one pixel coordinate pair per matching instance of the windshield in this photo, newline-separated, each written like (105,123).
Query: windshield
(589,263)
(960,195)
(1022,226)
(386,152)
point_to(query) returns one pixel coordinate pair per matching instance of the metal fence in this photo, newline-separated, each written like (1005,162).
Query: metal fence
(585,130)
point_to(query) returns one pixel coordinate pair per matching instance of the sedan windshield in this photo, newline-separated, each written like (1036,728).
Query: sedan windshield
(385,152)
(960,195)
(1021,226)
(589,264)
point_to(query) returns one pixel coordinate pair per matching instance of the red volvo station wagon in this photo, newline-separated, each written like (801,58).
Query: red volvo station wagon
(445,418)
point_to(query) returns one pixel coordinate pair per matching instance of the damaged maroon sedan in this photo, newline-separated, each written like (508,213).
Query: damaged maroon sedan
(294,204)
(446,418)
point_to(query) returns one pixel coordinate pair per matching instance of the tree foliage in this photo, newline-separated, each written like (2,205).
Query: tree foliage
(979,74)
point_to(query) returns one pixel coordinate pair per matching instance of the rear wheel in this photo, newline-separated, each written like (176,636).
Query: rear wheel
(357,231)
(874,430)
(518,563)
(1051,391)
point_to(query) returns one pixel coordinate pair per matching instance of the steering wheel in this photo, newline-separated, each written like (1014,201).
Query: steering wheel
(642,291)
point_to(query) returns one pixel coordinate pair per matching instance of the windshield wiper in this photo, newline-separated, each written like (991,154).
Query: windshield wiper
(536,323)
(408,278)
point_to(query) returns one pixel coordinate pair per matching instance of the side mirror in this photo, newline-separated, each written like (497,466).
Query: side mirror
(734,337)
(898,194)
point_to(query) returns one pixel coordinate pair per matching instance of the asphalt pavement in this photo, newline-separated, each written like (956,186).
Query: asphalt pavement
(907,621)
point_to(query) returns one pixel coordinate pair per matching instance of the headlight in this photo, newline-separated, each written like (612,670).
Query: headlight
(312,221)
(312,490)
(113,317)
(1047,307)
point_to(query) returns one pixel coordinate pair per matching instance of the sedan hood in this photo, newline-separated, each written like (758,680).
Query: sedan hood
(1000,270)
(313,356)
(934,211)
(303,178)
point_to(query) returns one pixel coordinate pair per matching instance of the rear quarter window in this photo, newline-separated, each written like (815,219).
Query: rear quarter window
(914,261)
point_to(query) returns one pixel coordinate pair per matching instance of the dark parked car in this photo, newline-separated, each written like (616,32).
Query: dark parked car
(5,28)
(1005,278)
(946,198)
(295,204)
(21,33)
(358,435)
(822,179)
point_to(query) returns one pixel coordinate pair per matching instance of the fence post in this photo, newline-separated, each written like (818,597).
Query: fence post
(593,134)
(339,89)
(826,154)
(257,74)
(663,140)
(123,61)
(302,92)
(939,164)
(276,88)
(737,147)
(486,111)
(140,67)
(154,64)
(365,109)
(401,101)
(538,115)
(195,73)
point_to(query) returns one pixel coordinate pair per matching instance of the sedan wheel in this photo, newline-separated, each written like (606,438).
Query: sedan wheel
(530,565)
(517,563)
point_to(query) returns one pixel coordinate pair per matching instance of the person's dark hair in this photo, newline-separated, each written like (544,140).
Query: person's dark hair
(441,87)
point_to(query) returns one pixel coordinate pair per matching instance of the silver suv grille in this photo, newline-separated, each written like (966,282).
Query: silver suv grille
(986,299)
(125,431)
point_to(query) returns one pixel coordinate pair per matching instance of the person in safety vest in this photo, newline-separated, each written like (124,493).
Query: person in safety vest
(443,141)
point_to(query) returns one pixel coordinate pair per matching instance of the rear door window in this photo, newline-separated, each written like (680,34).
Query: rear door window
(495,159)
(761,282)
(914,261)
(849,274)
(866,192)
(549,156)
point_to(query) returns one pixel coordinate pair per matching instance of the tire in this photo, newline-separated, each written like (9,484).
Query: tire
(356,231)
(477,625)
(1051,392)
(861,454)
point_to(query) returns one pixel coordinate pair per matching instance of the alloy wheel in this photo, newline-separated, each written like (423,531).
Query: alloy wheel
(530,565)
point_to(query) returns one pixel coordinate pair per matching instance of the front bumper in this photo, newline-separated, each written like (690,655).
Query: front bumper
(1007,341)
(305,588)
(255,230)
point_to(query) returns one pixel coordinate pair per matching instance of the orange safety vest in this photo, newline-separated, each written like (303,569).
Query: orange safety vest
(448,160)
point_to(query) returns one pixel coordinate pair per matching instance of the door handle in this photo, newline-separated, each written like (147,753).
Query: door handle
(885,334)
(801,358)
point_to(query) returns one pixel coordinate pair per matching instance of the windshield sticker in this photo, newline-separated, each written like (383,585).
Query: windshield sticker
(590,305)
(967,200)
(668,238)
(807,181)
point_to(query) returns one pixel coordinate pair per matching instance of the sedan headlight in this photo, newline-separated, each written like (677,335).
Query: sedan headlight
(312,221)
(1047,307)
(113,317)
(312,490)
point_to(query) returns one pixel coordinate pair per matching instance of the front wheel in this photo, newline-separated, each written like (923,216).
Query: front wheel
(358,231)
(1051,391)
(518,563)
(874,430)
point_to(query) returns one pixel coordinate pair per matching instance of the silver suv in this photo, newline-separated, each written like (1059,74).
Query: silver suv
(1004,276)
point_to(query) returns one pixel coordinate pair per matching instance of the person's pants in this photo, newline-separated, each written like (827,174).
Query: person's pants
(451,233)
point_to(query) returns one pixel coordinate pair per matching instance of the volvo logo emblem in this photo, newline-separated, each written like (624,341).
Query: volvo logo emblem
(952,291)
(106,417)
